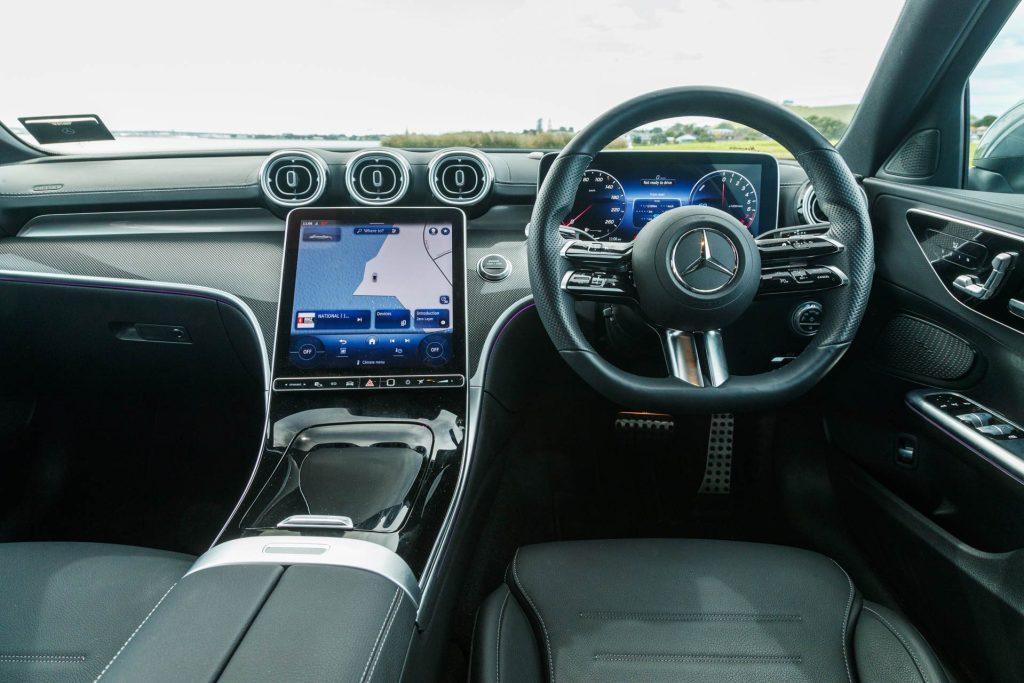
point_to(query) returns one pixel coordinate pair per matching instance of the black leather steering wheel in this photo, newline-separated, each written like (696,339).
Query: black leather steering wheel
(694,270)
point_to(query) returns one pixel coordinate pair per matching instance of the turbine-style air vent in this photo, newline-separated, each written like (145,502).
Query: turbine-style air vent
(293,177)
(809,208)
(377,177)
(460,176)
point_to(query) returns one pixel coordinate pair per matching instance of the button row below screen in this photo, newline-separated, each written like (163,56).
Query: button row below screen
(364,383)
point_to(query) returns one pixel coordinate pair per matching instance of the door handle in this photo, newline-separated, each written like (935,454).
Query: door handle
(982,291)
(1016,306)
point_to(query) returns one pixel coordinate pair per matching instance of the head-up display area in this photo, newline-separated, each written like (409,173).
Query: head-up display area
(371,298)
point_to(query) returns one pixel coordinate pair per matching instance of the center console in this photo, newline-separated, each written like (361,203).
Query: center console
(366,430)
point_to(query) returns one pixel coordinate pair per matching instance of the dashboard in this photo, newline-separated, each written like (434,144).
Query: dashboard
(208,221)
(621,192)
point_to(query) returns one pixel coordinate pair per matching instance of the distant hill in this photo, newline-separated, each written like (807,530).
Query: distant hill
(843,112)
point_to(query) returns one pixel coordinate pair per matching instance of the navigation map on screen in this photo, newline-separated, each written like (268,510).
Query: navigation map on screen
(373,299)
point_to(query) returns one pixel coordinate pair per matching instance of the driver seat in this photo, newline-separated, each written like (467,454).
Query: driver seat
(689,610)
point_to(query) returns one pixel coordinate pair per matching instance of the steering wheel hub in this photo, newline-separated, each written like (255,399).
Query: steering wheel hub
(704,261)
(696,268)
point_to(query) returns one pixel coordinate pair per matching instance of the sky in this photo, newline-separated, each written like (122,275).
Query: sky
(998,81)
(387,66)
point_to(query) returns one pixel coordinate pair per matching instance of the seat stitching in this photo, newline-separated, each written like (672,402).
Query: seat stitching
(699,658)
(497,649)
(544,628)
(383,642)
(42,658)
(689,616)
(906,645)
(376,642)
(135,632)
(846,620)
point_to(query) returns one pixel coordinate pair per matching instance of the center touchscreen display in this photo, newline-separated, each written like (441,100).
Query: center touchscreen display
(374,293)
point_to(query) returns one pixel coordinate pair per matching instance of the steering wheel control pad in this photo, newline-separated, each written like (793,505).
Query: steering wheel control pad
(695,268)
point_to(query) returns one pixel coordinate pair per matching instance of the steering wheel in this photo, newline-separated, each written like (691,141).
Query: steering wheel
(694,270)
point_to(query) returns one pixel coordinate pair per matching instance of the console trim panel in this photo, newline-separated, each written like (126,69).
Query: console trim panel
(312,550)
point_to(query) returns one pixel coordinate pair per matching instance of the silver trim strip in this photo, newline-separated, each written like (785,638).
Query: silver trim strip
(317,522)
(317,161)
(313,550)
(142,223)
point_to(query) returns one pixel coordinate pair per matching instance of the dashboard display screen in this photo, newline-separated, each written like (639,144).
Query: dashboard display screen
(622,192)
(372,293)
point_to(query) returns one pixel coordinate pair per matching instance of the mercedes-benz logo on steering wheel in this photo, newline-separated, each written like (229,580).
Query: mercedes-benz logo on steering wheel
(705,261)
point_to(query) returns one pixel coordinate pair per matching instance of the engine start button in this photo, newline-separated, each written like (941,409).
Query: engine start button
(494,267)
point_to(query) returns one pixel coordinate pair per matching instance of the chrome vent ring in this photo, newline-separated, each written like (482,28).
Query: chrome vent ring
(293,177)
(377,177)
(460,177)
(809,208)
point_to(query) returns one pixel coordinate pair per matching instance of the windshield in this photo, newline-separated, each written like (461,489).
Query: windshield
(409,73)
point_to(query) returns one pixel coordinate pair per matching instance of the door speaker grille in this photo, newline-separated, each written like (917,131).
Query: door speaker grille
(912,346)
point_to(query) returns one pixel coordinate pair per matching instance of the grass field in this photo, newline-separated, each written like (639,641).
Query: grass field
(843,112)
(769,146)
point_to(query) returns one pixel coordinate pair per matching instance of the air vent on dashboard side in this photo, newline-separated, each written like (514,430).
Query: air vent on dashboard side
(460,176)
(808,208)
(377,177)
(293,177)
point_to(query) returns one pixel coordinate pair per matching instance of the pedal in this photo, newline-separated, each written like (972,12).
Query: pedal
(645,423)
(718,467)
(644,430)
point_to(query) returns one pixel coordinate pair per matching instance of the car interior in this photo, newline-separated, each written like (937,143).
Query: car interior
(309,412)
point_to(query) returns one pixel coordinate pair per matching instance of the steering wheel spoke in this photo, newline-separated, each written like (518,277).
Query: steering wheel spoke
(600,271)
(697,358)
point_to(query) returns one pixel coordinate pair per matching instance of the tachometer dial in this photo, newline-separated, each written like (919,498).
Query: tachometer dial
(729,191)
(600,205)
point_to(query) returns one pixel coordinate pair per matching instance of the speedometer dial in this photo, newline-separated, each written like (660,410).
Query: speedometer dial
(729,191)
(599,207)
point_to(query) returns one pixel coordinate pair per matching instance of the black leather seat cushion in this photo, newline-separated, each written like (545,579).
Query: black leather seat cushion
(689,610)
(67,609)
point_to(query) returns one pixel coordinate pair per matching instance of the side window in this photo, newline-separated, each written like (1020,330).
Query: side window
(996,158)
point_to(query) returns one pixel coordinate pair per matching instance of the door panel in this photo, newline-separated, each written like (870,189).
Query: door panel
(943,520)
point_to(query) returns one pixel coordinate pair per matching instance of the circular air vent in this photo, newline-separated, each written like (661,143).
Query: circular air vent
(460,177)
(808,207)
(293,177)
(377,177)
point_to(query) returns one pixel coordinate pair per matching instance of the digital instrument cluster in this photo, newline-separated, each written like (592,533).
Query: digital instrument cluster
(622,192)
